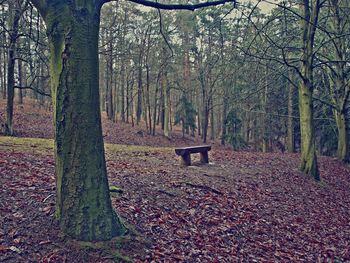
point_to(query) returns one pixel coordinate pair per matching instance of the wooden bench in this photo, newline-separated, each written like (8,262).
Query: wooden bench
(186,152)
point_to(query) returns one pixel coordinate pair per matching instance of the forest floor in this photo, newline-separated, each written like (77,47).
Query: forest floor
(242,207)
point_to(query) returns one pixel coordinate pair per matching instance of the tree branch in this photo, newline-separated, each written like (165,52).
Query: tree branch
(41,92)
(190,7)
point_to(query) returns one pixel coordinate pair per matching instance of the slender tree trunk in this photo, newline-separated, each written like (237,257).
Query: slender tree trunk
(14,24)
(109,80)
(166,106)
(139,95)
(290,126)
(212,121)
(83,202)
(20,82)
(199,113)
(4,82)
(265,133)
(224,116)
(205,119)
(122,91)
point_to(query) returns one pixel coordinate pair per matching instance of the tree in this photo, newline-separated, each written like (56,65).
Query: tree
(310,12)
(338,69)
(83,203)
(15,12)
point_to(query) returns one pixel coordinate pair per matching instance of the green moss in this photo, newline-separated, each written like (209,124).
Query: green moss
(117,257)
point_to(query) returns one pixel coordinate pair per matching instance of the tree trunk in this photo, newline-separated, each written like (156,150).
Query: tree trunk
(139,93)
(308,149)
(212,122)
(166,106)
(343,140)
(205,122)
(290,126)
(224,116)
(20,82)
(264,119)
(83,202)
(109,79)
(14,22)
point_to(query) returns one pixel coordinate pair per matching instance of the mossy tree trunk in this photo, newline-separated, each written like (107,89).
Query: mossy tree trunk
(83,202)
(310,11)
(308,149)
(339,83)
(343,140)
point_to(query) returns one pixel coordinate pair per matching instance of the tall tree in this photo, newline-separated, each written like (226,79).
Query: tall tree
(15,11)
(338,70)
(310,12)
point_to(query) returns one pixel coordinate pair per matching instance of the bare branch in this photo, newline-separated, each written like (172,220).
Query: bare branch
(41,92)
(190,7)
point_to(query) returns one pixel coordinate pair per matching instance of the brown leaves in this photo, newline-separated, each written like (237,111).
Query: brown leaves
(249,207)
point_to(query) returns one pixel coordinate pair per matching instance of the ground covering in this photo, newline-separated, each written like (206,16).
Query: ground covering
(242,207)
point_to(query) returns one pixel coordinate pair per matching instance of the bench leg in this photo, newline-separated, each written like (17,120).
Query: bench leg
(186,159)
(204,157)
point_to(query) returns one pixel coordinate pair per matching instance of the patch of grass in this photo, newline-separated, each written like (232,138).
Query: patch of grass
(134,148)
(44,146)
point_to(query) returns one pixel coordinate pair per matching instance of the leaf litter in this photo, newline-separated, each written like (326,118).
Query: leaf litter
(243,207)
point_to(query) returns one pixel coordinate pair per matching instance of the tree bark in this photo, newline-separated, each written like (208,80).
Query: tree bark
(343,140)
(166,105)
(109,78)
(20,81)
(84,206)
(308,149)
(15,15)
(290,125)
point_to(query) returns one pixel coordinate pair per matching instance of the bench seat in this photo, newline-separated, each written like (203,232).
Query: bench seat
(185,153)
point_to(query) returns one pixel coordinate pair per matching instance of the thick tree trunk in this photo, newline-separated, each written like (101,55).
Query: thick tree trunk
(83,201)
(310,11)
(308,149)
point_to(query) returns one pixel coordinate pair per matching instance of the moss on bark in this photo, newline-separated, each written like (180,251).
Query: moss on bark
(308,149)
(83,201)
(343,140)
